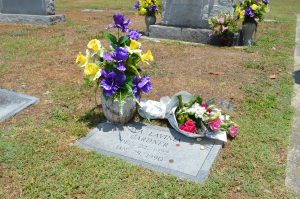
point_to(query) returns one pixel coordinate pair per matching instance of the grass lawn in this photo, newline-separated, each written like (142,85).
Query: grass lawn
(37,159)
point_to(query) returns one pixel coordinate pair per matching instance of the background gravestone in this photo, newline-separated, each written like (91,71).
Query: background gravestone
(29,11)
(188,20)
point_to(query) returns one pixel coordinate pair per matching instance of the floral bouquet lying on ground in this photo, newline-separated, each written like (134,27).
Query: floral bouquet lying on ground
(190,116)
(197,117)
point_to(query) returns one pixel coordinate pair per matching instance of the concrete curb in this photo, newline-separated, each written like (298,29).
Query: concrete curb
(293,160)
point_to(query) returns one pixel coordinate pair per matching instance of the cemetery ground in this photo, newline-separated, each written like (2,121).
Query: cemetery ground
(37,157)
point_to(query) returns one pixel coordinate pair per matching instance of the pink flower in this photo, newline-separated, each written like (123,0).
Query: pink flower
(221,20)
(215,125)
(224,28)
(218,28)
(203,105)
(188,126)
(233,131)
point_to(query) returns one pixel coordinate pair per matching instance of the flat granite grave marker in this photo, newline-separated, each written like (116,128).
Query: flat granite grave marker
(12,103)
(29,11)
(187,20)
(157,148)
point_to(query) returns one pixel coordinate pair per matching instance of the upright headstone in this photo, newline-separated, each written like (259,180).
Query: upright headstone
(188,20)
(29,11)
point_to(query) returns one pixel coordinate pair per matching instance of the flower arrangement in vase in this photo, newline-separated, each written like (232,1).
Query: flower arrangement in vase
(224,26)
(251,12)
(149,9)
(116,70)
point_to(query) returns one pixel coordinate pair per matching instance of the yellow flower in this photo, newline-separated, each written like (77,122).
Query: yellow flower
(94,45)
(91,69)
(81,59)
(142,11)
(237,10)
(254,6)
(147,56)
(242,14)
(134,45)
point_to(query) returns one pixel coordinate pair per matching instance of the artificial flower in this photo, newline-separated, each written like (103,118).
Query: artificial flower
(266,1)
(81,59)
(120,23)
(141,84)
(94,45)
(153,8)
(142,11)
(121,54)
(137,5)
(233,131)
(254,7)
(147,56)
(91,69)
(134,35)
(215,124)
(249,12)
(112,82)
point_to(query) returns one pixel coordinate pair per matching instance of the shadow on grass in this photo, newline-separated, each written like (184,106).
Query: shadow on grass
(93,117)
(297,76)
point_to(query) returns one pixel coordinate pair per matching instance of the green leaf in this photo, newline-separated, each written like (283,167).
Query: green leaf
(133,70)
(111,38)
(123,40)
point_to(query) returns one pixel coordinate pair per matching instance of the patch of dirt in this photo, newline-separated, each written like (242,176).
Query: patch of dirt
(178,67)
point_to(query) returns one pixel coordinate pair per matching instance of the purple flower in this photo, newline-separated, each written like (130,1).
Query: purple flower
(266,1)
(121,54)
(249,12)
(153,8)
(112,82)
(137,5)
(120,22)
(121,66)
(141,84)
(109,57)
(134,34)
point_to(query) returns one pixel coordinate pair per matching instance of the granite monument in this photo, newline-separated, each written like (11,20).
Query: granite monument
(12,103)
(188,20)
(157,148)
(29,11)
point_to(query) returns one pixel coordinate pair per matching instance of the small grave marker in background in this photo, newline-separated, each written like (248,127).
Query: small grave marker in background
(29,11)
(12,103)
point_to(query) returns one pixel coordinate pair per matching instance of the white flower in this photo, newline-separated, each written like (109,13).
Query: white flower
(197,110)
